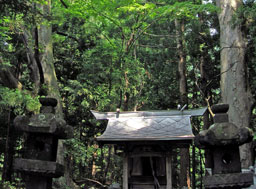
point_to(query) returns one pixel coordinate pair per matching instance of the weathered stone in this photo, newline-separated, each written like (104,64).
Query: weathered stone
(47,109)
(44,123)
(223,139)
(232,180)
(41,147)
(224,134)
(38,167)
(43,120)
(200,139)
(220,108)
(37,182)
(40,123)
(245,135)
(42,133)
(64,131)
(226,160)
(48,101)
(219,118)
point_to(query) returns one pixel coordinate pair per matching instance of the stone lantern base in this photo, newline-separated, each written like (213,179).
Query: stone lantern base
(231,180)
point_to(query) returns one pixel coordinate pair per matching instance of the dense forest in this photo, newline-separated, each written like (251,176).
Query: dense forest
(133,55)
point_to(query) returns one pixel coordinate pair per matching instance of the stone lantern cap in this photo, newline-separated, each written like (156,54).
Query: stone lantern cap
(45,122)
(222,132)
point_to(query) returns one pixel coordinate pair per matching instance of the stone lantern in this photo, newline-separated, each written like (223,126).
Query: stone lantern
(223,140)
(38,165)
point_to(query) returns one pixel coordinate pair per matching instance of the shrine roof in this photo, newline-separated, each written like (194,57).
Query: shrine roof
(148,125)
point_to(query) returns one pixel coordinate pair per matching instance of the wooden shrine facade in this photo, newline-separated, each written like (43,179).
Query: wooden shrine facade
(146,140)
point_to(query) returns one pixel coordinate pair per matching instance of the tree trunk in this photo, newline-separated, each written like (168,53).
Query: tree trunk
(7,78)
(184,152)
(46,59)
(194,166)
(205,89)
(235,89)
(44,33)
(180,27)
(33,64)
(108,162)
(9,149)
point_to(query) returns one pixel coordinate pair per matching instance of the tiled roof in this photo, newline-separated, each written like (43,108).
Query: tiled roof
(110,115)
(145,128)
(148,126)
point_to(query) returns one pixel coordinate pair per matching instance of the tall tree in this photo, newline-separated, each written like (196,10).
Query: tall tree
(235,89)
(184,152)
(37,40)
(44,46)
(45,52)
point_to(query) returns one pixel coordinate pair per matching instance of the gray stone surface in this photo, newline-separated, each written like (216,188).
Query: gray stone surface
(38,167)
(228,180)
(223,140)
(219,118)
(48,101)
(252,170)
(223,134)
(44,123)
(43,130)
(226,160)
(220,108)
(114,186)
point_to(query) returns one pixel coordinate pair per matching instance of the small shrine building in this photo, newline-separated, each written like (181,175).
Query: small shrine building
(146,139)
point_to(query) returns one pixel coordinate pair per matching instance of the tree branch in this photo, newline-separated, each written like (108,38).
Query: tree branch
(112,20)
(35,66)
(64,4)
(232,47)
(67,35)
(142,31)
(209,106)
(7,78)
(90,180)
(81,43)
(154,35)
(156,46)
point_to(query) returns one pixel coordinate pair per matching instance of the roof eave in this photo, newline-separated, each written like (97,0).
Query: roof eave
(113,115)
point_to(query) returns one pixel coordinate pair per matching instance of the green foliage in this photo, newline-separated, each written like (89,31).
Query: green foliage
(3,27)
(79,151)
(8,185)
(135,7)
(187,9)
(19,101)
(108,53)
(122,61)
